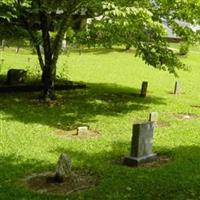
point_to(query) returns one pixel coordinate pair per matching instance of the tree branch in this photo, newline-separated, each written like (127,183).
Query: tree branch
(32,36)
(58,40)
(45,35)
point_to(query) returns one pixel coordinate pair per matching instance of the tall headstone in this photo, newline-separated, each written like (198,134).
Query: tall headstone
(144,89)
(141,145)
(177,88)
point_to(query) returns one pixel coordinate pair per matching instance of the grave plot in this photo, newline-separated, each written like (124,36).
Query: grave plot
(185,116)
(81,132)
(63,181)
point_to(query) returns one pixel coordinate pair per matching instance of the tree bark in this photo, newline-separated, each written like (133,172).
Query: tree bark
(48,80)
(51,56)
(48,77)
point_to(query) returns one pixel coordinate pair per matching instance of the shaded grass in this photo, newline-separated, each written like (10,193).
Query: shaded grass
(28,143)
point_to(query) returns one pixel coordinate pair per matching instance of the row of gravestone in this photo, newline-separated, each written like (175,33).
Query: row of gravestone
(18,76)
(143,93)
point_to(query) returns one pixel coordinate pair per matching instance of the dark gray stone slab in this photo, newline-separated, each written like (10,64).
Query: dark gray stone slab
(177,87)
(141,144)
(144,89)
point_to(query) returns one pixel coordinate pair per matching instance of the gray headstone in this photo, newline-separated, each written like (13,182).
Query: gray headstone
(177,87)
(153,117)
(144,89)
(63,168)
(141,145)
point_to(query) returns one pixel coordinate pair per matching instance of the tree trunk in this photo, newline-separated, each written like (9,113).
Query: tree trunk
(48,75)
(48,80)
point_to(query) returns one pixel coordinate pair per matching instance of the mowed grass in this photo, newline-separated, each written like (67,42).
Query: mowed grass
(28,143)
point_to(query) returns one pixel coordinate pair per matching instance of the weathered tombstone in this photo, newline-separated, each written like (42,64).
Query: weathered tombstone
(153,117)
(63,168)
(141,145)
(144,89)
(82,130)
(177,88)
(16,76)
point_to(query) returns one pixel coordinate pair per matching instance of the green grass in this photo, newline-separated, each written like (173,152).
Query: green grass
(28,145)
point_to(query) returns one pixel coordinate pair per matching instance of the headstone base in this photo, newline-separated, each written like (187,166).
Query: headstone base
(137,161)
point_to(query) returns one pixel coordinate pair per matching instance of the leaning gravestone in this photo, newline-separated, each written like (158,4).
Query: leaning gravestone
(63,168)
(16,76)
(144,89)
(141,145)
(177,88)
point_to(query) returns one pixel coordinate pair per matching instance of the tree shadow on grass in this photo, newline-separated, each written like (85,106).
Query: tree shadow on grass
(178,179)
(75,107)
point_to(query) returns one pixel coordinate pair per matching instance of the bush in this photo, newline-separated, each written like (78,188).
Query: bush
(184,49)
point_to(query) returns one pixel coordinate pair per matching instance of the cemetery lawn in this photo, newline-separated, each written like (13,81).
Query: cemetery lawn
(30,143)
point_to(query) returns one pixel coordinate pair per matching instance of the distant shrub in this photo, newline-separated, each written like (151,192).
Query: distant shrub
(184,49)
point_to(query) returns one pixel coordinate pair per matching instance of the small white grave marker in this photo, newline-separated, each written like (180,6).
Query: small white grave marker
(82,130)
(153,117)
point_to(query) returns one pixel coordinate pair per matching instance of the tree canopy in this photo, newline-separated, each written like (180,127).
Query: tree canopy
(135,23)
